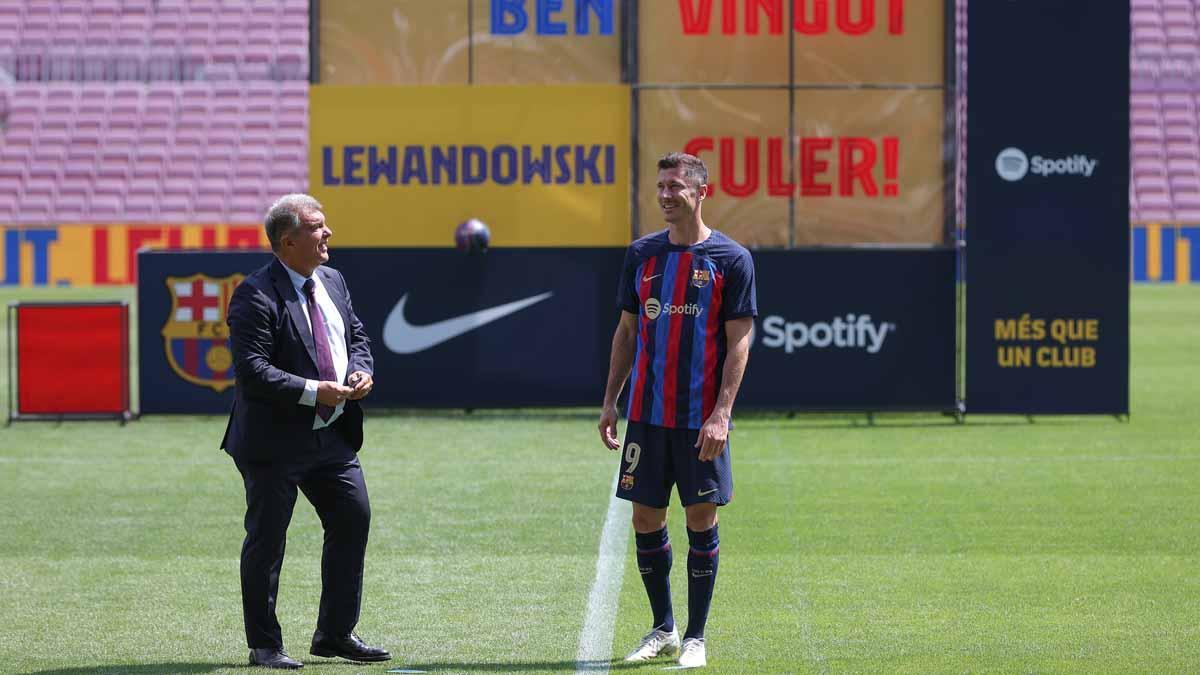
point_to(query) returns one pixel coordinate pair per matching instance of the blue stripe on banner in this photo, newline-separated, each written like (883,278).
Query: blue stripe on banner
(1168,254)
(1138,246)
(662,335)
(637,340)
(696,391)
(1192,234)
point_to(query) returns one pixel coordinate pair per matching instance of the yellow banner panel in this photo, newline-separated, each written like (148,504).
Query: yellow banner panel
(403,166)
(394,42)
(106,255)
(836,41)
(868,163)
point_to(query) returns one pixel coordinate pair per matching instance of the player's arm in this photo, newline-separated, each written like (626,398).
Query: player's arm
(715,431)
(619,364)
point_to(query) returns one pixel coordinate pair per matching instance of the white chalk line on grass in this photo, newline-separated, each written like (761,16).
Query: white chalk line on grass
(595,639)
(806,632)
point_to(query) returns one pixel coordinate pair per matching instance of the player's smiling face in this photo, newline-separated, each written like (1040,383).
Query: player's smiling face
(678,195)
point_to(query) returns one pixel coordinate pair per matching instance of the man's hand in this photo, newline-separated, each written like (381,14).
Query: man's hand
(608,428)
(713,436)
(361,384)
(331,393)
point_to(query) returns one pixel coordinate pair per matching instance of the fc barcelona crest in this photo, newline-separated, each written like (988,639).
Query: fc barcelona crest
(196,337)
(701,277)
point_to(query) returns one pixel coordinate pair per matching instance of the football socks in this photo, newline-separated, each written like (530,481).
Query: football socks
(702,576)
(654,563)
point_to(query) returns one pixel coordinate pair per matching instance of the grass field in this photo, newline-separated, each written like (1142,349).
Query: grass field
(909,545)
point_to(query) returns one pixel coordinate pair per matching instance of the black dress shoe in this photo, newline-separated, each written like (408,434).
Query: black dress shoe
(273,658)
(348,647)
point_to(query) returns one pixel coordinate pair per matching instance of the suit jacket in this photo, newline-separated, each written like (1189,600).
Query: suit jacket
(273,354)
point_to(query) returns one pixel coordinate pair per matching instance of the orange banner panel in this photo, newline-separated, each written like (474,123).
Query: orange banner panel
(836,41)
(394,42)
(867,163)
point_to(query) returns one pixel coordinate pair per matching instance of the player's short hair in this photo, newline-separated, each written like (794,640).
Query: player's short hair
(693,167)
(284,216)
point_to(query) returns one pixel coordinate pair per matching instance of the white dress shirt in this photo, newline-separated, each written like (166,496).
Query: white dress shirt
(335,331)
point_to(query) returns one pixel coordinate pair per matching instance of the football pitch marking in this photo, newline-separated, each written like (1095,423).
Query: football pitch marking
(806,633)
(595,640)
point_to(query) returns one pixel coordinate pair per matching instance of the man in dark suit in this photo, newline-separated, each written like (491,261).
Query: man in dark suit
(303,362)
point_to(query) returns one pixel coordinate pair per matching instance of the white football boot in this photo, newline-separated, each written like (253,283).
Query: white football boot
(656,643)
(692,654)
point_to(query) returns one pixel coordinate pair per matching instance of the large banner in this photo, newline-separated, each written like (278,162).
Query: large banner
(514,327)
(859,329)
(542,166)
(863,329)
(842,146)
(416,42)
(1048,207)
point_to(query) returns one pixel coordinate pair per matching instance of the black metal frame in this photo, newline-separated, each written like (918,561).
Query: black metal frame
(955,231)
(15,415)
(631,74)
(314,41)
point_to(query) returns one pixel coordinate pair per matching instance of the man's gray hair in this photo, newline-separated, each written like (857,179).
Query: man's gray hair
(284,216)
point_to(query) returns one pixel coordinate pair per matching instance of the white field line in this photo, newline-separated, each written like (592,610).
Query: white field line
(595,640)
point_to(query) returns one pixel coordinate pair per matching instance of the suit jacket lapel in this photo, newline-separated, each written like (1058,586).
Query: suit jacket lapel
(335,294)
(283,284)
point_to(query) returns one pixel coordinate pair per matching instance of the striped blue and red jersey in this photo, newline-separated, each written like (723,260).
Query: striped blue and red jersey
(682,296)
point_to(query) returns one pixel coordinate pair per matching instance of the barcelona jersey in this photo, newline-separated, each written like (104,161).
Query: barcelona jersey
(682,296)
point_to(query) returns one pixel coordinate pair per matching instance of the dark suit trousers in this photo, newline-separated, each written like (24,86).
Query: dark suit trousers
(332,480)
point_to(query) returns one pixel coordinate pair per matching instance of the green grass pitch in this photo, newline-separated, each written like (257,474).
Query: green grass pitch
(913,545)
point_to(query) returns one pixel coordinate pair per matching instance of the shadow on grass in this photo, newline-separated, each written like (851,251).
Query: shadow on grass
(471,667)
(543,414)
(139,669)
(518,667)
(770,418)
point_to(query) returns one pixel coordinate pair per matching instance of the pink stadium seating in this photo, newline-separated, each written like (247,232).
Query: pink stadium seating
(169,111)
(162,152)
(154,39)
(1165,143)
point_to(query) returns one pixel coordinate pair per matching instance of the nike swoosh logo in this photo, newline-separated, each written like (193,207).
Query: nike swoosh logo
(402,337)
(701,493)
(645,279)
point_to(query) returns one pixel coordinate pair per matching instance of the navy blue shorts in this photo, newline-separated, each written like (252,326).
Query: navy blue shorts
(654,458)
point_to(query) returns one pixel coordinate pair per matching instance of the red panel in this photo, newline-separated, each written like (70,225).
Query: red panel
(71,359)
